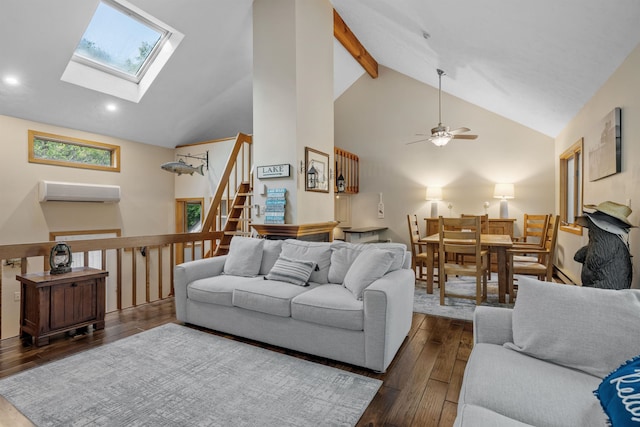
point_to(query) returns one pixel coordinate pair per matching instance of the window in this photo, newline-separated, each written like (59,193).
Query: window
(126,52)
(571,188)
(122,51)
(60,150)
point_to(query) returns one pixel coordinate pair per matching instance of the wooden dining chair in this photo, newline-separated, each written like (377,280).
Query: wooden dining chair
(484,229)
(534,231)
(543,267)
(461,236)
(418,250)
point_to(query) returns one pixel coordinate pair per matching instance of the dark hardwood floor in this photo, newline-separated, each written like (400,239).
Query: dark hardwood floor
(420,388)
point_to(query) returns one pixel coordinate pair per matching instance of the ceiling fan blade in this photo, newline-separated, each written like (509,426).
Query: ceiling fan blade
(465,136)
(418,140)
(459,130)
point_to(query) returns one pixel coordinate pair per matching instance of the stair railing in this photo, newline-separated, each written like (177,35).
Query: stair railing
(238,169)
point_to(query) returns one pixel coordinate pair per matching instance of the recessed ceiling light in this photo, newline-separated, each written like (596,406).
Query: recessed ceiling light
(11,80)
(112,107)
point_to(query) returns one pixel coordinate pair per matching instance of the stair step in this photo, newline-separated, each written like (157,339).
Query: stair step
(237,233)
(239,219)
(244,194)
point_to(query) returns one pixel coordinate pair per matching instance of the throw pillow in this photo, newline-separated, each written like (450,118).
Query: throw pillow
(289,270)
(244,257)
(397,249)
(318,252)
(619,394)
(589,329)
(341,260)
(368,267)
(270,253)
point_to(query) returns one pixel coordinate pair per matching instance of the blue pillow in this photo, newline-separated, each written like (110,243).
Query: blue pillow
(619,394)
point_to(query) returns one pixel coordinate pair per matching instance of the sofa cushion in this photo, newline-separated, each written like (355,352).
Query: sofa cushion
(593,330)
(341,260)
(619,394)
(270,253)
(530,390)
(318,252)
(397,249)
(330,305)
(368,267)
(473,416)
(267,296)
(245,256)
(217,289)
(291,271)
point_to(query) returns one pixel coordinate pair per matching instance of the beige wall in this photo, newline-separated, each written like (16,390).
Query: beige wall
(621,90)
(376,117)
(293,97)
(146,207)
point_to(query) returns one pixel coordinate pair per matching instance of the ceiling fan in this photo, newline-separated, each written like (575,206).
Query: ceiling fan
(441,135)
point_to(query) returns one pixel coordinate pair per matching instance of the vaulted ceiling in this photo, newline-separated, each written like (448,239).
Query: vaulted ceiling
(534,62)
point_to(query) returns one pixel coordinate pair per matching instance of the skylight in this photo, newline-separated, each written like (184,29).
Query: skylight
(120,41)
(122,51)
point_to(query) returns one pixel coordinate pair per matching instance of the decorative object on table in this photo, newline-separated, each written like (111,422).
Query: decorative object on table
(606,260)
(605,148)
(185,378)
(485,205)
(504,192)
(181,167)
(434,195)
(274,171)
(450,207)
(60,258)
(316,170)
(275,206)
(441,135)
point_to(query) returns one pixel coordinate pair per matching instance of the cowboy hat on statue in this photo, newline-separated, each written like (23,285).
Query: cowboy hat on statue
(606,260)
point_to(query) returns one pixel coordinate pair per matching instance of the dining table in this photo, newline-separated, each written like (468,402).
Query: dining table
(498,243)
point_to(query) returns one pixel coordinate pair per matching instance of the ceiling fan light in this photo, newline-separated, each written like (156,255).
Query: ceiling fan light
(441,138)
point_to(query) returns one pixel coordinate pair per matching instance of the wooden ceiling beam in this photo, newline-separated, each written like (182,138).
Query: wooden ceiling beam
(350,42)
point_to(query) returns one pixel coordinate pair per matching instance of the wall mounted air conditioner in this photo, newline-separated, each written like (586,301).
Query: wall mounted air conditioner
(74,192)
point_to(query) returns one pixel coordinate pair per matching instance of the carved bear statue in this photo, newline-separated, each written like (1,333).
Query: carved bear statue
(606,261)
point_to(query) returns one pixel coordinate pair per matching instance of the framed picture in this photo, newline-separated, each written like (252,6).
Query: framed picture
(605,147)
(316,170)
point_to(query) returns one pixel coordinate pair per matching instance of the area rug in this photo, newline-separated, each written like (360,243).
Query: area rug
(176,376)
(455,308)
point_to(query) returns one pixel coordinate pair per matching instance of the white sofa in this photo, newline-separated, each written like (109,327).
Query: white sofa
(540,363)
(356,307)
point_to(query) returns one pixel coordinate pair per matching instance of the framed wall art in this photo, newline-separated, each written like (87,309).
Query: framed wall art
(605,147)
(316,170)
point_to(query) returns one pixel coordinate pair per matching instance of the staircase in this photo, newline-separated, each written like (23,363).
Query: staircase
(235,189)
(239,218)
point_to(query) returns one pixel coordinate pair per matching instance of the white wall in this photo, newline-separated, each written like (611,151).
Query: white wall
(376,117)
(293,97)
(621,90)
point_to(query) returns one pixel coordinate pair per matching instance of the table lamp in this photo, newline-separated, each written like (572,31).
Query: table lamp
(504,192)
(434,194)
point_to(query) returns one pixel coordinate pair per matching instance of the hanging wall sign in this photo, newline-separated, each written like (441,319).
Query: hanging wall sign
(274,171)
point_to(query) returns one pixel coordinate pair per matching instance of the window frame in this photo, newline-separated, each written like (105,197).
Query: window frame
(165,35)
(114,149)
(575,151)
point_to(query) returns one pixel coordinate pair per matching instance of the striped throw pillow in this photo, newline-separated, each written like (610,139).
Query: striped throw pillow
(290,270)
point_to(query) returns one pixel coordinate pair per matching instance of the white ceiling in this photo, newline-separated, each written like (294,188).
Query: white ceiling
(535,62)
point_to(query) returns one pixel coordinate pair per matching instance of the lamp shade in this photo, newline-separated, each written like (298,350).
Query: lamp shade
(433,193)
(504,191)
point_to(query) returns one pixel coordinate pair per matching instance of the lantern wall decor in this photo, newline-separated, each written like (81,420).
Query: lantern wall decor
(316,170)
